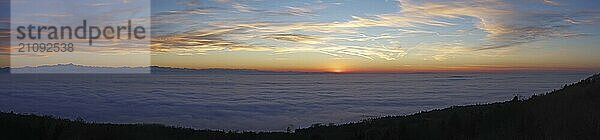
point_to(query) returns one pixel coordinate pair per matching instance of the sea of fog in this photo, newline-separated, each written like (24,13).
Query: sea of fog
(261,102)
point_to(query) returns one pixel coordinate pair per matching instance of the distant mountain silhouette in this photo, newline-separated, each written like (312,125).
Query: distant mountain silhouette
(569,113)
(74,68)
(163,70)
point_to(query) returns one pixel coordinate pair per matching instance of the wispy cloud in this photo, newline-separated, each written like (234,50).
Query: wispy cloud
(299,11)
(505,26)
(533,26)
(4,37)
(98,4)
(440,51)
(502,24)
(190,3)
(236,39)
(551,2)
(282,37)
(242,7)
(295,38)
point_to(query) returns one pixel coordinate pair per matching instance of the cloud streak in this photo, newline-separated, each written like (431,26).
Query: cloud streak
(499,24)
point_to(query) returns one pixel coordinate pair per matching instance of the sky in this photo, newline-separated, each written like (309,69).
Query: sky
(375,36)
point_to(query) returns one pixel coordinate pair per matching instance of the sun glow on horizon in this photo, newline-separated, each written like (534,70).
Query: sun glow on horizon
(338,68)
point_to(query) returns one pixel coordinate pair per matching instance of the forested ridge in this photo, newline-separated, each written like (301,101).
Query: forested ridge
(572,112)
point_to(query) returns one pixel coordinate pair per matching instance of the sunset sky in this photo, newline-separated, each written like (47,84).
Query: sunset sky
(375,36)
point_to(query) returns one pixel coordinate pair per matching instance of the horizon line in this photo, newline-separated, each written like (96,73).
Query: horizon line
(429,70)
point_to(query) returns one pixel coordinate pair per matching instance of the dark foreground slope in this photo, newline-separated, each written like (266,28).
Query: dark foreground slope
(569,113)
